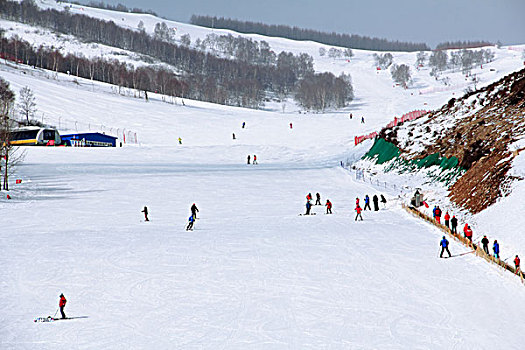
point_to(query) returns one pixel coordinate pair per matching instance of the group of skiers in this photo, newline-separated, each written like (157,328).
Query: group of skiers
(375,199)
(452,224)
(254,159)
(328,204)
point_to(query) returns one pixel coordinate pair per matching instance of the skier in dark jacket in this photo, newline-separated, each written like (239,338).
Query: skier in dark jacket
(444,246)
(454,224)
(308,207)
(62,305)
(318,199)
(495,247)
(383,200)
(328,206)
(485,242)
(145,211)
(376,202)
(367,203)
(194,211)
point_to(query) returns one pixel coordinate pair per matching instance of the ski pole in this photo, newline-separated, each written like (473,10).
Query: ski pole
(55,313)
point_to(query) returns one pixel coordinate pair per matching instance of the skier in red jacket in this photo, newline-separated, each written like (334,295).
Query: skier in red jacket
(447,219)
(62,305)
(517,264)
(358,210)
(468,232)
(328,206)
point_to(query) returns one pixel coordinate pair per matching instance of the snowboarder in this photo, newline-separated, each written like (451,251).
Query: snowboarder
(180,141)
(254,159)
(438,215)
(495,248)
(358,211)
(454,224)
(328,206)
(145,211)
(308,207)
(248,159)
(194,210)
(447,219)
(376,202)
(234,136)
(191,220)
(517,264)
(444,246)
(485,242)
(383,200)
(367,203)
(309,197)
(318,199)
(243,124)
(62,305)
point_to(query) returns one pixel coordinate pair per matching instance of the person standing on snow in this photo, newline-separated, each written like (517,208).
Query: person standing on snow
(485,242)
(358,211)
(367,203)
(62,304)
(383,200)
(495,248)
(254,159)
(376,202)
(454,225)
(291,126)
(191,220)
(444,246)
(180,141)
(328,206)
(248,159)
(145,211)
(309,197)
(194,211)
(447,219)
(517,264)
(308,207)
(434,212)
(357,201)
(468,232)
(243,124)
(438,215)
(234,136)
(318,199)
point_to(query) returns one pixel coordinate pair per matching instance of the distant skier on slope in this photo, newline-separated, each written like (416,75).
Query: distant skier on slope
(468,232)
(375,199)
(383,200)
(255,159)
(454,224)
(248,159)
(309,197)
(485,242)
(318,199)
(243,124)
(194,211)
(233,136)
(191,220)
(517,264)
(367,203)
(180,141)
(438,214)
(328,206)
(62,304)
(145,211)
(444,246)
(358,211)
(447,219)
(308,207)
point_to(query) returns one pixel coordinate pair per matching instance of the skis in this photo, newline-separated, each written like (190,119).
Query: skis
(306,214)
(53,319)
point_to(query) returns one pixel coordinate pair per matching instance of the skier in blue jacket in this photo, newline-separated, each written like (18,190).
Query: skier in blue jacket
(495,247)
(308,207)
(444,246)
(367,203)
(191,220)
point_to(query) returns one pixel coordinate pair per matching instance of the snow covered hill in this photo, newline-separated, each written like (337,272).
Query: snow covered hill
(253,273)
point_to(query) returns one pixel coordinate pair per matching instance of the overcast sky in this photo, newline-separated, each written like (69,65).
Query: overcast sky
(429,21)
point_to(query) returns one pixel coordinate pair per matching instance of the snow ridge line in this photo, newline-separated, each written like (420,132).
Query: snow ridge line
(478,250)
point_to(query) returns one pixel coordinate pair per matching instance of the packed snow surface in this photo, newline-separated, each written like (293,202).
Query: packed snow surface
(254,273)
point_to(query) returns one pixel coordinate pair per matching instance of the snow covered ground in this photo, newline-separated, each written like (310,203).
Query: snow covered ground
(253,273)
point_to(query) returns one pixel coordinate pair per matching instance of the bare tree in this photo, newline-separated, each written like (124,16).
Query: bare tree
(401,74)
(383,61)
(26,103)
(185,40)
(348,53)
(322,51)
(421,58)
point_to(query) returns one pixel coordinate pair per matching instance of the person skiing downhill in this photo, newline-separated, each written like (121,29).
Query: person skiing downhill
(367,203)
(194,211)
(308,207)
(318,199)
(191,220)
(485,242)
(328,206)
(444,246)
(454,224)
(358,211)
(62,304)
(145,211)
(495,248)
